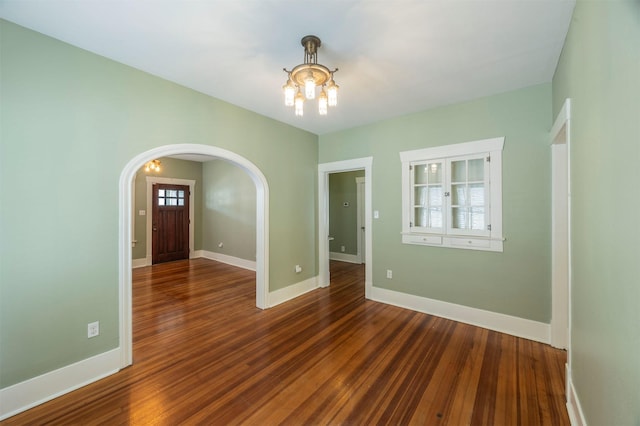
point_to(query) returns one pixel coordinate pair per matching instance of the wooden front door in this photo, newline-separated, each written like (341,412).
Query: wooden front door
(170,226)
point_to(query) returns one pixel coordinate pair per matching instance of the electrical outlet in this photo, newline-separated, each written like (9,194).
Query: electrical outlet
(389,273)
(342,249)
(298,269)
(93,329)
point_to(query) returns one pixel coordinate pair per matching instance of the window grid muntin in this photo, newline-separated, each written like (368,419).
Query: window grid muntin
(171,197)
(467,217)
(457,179)
(427,195)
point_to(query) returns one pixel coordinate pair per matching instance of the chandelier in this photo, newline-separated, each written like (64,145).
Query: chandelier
(153,165)
(309,75)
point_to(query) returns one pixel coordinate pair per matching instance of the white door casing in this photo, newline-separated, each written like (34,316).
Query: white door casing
(324,170)
(561,229)
(360,182)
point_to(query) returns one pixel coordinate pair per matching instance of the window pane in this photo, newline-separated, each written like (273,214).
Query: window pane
(434,170)
(435,217)
(172,201)
(477,218)
(476,169)
(420,174)
(421,217)
(171,193)
(181,201)
(435,195)
(160,192)
(420,196)
(476,194)
(459,195)
(459,171)
(161,201)
(460,217)
(180,194)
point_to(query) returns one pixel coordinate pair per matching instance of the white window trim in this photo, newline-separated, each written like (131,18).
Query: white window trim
(494,242)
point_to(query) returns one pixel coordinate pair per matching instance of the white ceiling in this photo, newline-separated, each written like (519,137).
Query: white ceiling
(395,56)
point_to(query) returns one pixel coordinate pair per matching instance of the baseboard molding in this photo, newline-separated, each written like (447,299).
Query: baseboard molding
(514,326)
(22,396)
(344,257)
(576,415)
(139,263)
(229,260)
(291,292)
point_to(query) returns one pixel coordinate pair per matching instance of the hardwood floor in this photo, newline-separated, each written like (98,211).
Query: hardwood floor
(204,354)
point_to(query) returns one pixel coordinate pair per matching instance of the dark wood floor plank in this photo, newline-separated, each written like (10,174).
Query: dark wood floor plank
(204,354)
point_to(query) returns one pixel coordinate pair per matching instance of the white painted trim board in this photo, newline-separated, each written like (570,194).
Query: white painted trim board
(35,391)
(229,260)
(344,257)
(324,169)
(576,415)
(282,295)
(515,326)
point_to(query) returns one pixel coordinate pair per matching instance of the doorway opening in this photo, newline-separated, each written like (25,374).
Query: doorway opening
(125,230)
(346,216)
(324,170)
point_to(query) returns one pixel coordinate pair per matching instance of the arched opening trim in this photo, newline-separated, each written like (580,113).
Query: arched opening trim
(125,226)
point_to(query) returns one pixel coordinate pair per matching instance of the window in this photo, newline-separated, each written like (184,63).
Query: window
(452,195)
(170,197)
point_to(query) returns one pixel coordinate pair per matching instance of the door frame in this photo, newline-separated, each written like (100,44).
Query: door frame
(125,236)
(169,181)
(324,169)
(560,329)
(360,182)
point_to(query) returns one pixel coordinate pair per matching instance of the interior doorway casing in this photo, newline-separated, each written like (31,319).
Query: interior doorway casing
(361,241)
(126,222)
(561,229)
(324,170)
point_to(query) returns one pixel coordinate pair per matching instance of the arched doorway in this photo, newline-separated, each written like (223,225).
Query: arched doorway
(125,226)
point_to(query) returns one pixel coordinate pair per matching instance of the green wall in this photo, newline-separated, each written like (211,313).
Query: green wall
(343,221)
(600,71)
(71,121)
(229,210)
(516,282)
(170,168)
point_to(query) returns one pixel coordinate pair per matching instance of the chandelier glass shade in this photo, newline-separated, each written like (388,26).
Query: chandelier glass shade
(153,165)
(303,80)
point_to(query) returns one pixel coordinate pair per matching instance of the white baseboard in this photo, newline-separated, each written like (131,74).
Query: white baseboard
(515,326)
(344,257)
(139,263)
(24,395)
(576,415)
(229,260)
(282,295)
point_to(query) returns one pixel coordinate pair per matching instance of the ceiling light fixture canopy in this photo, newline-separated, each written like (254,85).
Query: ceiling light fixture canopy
(306,77)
